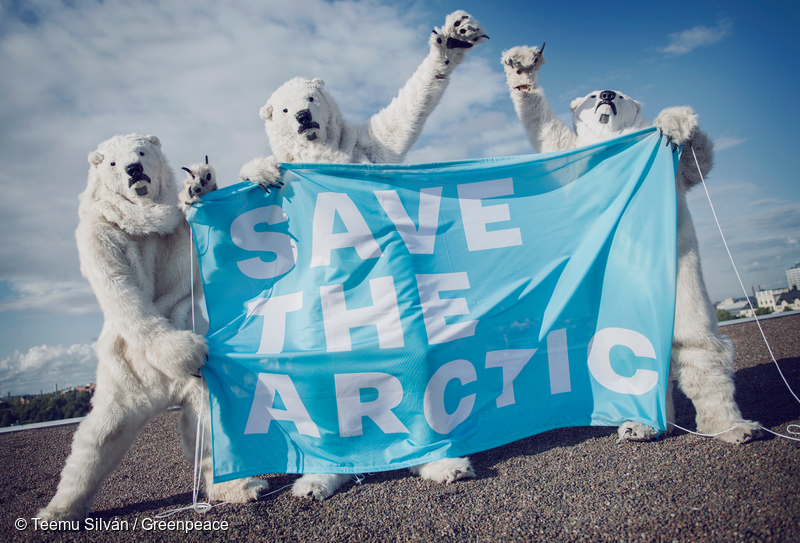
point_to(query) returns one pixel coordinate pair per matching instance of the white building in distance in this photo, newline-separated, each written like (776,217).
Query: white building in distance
(738,308)
(767,298)
(793,276)
(788,301)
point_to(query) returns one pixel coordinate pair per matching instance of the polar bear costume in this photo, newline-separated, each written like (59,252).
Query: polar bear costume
(304,124)
(702,360)
(134,249)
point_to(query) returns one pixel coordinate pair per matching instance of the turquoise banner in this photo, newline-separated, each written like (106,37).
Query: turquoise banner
(372,317)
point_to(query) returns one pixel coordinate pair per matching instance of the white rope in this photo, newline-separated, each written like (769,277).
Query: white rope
(758,322)
(793,429)
(789,429)
(200,431)
(191,274)
(199,443)
(744,290)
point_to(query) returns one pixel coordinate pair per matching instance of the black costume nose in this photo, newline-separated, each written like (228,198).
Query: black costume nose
(303,116)
(134,169)
(608,95)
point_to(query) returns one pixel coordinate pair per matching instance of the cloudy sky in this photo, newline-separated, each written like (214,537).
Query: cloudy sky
(196,73)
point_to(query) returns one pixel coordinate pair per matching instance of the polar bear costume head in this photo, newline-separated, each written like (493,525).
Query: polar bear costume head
(605,114)
(302,119)
(132,185)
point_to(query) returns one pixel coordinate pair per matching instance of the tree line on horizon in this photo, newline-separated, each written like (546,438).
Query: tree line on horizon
(45,408)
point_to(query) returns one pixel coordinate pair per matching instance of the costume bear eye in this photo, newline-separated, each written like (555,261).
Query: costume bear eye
(141,153)
(310,98)
(620,97)
(286,111)
(208,176)
(113,164)
(593,96)
(519,71)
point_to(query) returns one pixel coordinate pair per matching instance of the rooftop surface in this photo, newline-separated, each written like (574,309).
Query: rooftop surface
(572,484)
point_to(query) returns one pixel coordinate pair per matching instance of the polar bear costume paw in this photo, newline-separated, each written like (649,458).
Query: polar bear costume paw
(200,180)
(318,486)
(744,431)
(239,491)
(265,172)
(459,33)
(521,65)
(678,123)
(635,431)
(54,513)
(178,353)
(446,470)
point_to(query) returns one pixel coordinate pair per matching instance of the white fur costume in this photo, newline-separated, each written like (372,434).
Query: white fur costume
(134,249)
(702,360)
(304,124)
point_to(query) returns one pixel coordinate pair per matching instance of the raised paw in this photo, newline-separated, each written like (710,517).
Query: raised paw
(200,180)
(677,123)
(446,470)
(459,33)
(521,65)
(239,490)
(635,431)
(318,486)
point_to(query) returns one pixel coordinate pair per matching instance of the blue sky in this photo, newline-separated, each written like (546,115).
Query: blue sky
(195,74)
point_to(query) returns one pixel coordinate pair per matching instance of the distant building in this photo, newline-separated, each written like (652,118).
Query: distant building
(793,276)
(788,301)
(768,298)
(86,388)
(739,307)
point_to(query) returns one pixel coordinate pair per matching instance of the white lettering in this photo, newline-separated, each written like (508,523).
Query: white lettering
(419,240)
(558,361)
(437,416)
(642,381)
(351,409)
(512,361)
(262,411)
(274,311)
(384,314)
(358,234)
(475,217)
(435,309)
(244,235)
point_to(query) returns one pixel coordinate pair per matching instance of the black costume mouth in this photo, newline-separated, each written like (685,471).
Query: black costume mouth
(135,179)
(307,126)
(608,103)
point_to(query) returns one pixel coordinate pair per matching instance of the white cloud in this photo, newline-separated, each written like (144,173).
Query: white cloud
(759,234)
(194,74)
(27,373)
(681,43)
(724,142)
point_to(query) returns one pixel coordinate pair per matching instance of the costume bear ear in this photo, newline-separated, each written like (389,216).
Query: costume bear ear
(154,140)
(576,102)
(95,158)
(318,82)
(266,112)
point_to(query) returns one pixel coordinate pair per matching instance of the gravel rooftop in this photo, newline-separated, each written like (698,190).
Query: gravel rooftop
(572,484)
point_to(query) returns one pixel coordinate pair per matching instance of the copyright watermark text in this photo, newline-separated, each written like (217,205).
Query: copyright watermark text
(146,524)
